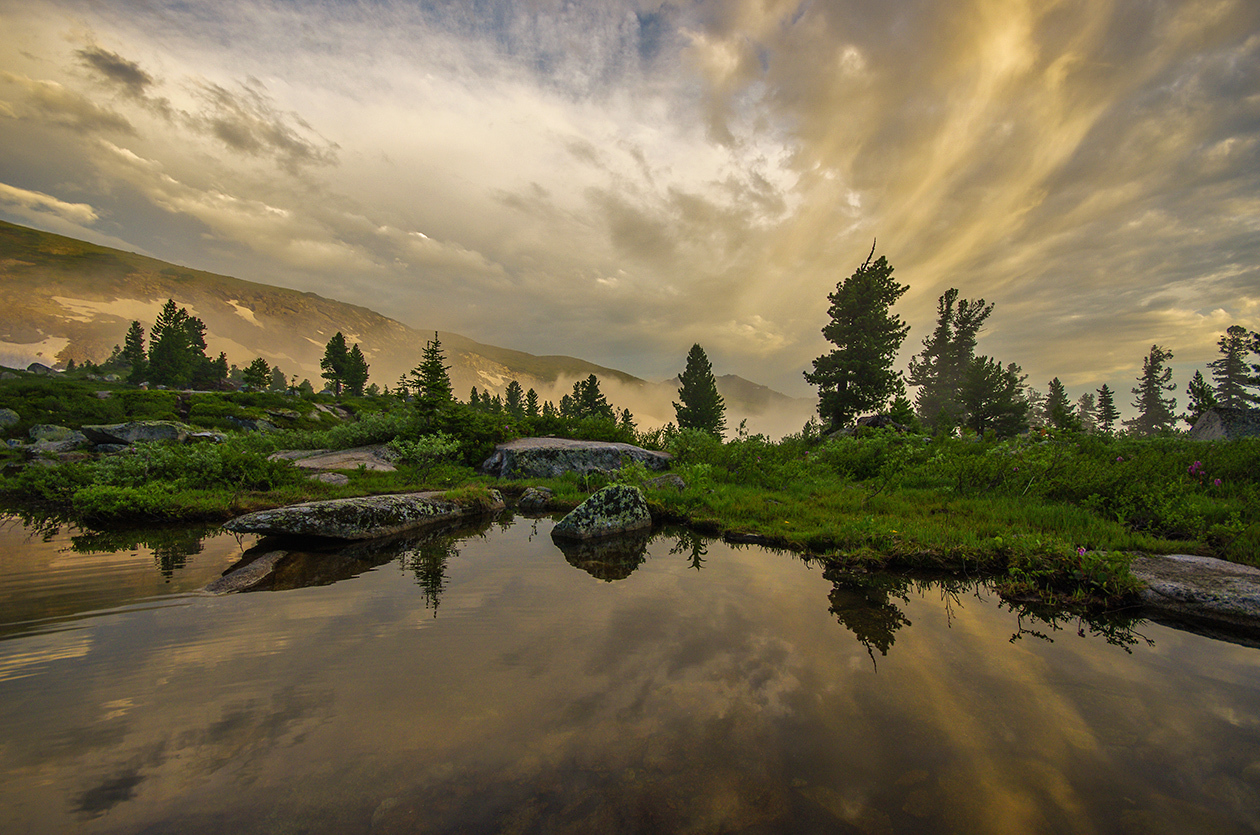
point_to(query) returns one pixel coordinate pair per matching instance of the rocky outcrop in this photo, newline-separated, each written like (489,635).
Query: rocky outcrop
(614,510)
(365,517)
(1220,423)
(553,457)
(1200,589)
(138,431)
(47,438)
(374,458)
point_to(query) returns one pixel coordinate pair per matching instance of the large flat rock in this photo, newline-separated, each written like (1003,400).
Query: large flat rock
(374,458)
(553,457)
(1200,588)
(365,517)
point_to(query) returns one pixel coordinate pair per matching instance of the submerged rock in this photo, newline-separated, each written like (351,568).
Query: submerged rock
(365,517)
(145,431)
(248,576)
(553,457)
(616,509)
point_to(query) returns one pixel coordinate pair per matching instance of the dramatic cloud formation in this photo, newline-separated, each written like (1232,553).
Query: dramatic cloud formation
(620,179)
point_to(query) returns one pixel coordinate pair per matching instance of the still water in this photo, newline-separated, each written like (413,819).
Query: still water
(488,682)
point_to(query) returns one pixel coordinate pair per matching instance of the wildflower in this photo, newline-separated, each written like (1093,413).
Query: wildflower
(1080,552)
(1119,458)
(1216,482)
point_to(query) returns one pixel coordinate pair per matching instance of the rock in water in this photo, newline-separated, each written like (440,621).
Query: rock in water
(365,517)
(553,457)
(616,509)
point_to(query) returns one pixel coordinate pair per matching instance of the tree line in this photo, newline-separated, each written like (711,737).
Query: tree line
(956,389)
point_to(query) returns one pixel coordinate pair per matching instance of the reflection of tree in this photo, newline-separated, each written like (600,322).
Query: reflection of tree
(1117,629)
(171,547)
(861,603)
(694,543)
(429,562)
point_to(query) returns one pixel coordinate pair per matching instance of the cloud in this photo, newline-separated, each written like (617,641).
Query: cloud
(54,103)
(248,121)
(116,69)
(38,202)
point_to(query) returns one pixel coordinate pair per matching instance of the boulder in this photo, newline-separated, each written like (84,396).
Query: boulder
(616,509)
(1200,588)
(669,481)
(8,418)
(335,479)
(136,431)
(103,395)
(39,368)
(553,457)
(365,517)
(250,424)
(535,500)
(1220,423)
(375,458)
(247,576)
(51,433)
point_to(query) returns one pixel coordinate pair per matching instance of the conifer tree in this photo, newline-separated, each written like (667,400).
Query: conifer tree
(1108,414)
(589,401)
(1086,412)
(177,349)
(474,399)
(1155,411)
(278,380)
(1230,370)
(1202,398)
(1059,408)
(857,376)
(626,421)
(531,403)
(430,379)
(991,397)
(549,409)
(133,353)
(257,374)
(356,373)
(335,362)
(946,356)
(701,406)
(514,400)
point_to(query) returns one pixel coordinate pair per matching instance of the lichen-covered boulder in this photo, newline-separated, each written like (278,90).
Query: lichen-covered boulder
(553,457)
(137,431)
(1203,588)
(8,418)
(535,500)
(365,517)
(616,509)
(47,438)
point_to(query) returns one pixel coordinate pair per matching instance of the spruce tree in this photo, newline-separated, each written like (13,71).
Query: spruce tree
(1059,408)
(257,374)
(177,347)
(278,380)
(1202,398)
(589,401)
(334,363)
(1108,414)
(1230,371)
(1086,412)
(531,403)
(1155,412)
(514,400)
(946,356)
(430,379)
(474,399)
(991,397)
(857,376)
(700,406)
(356,373)
(133,353)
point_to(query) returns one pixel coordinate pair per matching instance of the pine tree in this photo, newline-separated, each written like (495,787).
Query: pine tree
(133,353)
(1036,407)
(430,379)
(1059,408)
(858,376)
(257,374)
(334,363)
(549,409)
(514,400)
(1155,412)
(588,400)
(991,397)
(1202,398)
(531,403)
(278,380)
(1230,371)
(356,372)
(177,347)
(946,356)
(474,399)
(626,421)
(1108,414)
(701,406)
(1086,412)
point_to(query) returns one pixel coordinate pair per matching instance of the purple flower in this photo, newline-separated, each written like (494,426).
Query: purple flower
(1080,552)
(1119,458)
(1216,482)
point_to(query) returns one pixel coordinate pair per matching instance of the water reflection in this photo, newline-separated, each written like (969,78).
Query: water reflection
(613,558)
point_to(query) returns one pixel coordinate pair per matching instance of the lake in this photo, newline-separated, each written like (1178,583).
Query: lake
(488,682)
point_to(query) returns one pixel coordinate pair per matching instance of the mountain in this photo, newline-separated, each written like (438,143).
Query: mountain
(63,299)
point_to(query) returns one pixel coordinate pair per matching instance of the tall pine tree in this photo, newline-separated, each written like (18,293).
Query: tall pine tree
(1107,413)
(699,405)
(1155,411)
(430,380)
(334,363)
(1202,398)
(1230,371)
(857,376)
(939,368)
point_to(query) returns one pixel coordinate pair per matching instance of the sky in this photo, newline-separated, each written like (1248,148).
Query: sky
(617,180)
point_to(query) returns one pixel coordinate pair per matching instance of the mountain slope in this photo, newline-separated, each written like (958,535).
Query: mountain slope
(63,299)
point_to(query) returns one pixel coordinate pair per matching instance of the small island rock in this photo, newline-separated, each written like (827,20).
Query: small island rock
(616,509)
(364,517)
